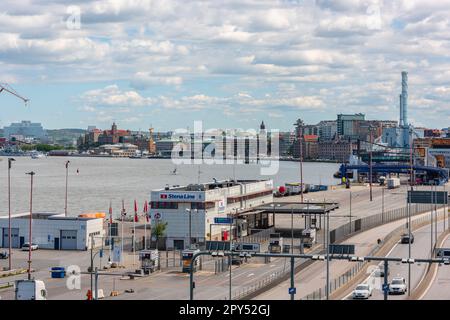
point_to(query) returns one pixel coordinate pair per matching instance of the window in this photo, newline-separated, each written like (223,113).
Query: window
(163,205)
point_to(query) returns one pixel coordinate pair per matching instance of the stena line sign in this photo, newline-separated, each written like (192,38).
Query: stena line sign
(180,196)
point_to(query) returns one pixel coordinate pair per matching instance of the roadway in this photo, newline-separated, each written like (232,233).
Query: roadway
(440,286)
(420,248)
(313,277)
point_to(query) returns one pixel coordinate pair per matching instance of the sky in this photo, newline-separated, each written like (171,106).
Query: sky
(230,64)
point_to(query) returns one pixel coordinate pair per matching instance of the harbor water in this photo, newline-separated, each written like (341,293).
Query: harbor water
(94,182)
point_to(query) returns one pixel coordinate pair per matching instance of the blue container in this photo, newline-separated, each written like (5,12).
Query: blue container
(58,272)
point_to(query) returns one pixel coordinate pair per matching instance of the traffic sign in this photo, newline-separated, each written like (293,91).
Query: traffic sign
(292,290)
(385,287)
(430,197)
(219,220)
(157,215)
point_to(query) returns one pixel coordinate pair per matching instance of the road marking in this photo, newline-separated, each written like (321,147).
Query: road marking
(367,279)
(433,279)
(250,275)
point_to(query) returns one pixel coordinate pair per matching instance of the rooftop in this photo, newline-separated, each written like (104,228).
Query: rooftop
(210,185)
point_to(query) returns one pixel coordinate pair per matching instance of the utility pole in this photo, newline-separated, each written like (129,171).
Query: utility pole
(328,255)
(350,212)
(382,204)
(30,242)
(10,160)
(301,159)
(370,161)
(292,230)
(67,181)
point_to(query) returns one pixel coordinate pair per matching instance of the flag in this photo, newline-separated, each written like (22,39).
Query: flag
(110,214)
(146,211)
(136,219)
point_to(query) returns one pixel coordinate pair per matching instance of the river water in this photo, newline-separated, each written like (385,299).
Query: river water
(101,180)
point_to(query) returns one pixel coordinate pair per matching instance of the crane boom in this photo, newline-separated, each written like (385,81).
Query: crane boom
(7,88)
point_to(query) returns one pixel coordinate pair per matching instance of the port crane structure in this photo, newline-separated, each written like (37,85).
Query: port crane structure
(7,88)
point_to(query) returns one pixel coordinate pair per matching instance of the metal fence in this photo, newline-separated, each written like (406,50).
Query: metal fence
(338,235)
(343,279)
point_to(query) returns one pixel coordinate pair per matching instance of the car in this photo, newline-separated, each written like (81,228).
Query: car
(398,286)
(236,261)
(362,291)
(26,246)
(405,238)
(379,272)
(4,255)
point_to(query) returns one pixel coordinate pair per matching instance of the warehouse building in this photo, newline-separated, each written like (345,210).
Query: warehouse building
(52,231)
(202,203)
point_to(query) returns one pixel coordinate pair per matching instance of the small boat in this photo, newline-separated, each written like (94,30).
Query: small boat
(37,155)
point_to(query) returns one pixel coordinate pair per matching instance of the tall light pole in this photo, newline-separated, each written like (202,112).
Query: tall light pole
(190,225)
(10,160)
(30,224)
(301,159)
(328,256)
(411,178)
(370,161)
(350,212)
(67,182)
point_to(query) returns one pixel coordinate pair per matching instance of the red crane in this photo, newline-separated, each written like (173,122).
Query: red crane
(6,87)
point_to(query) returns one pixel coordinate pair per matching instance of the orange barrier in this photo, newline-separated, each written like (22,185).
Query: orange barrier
(94,215)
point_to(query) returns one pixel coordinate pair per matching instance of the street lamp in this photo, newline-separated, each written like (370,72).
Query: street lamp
(32,173)
(190,225)
(10,160)
(67,180)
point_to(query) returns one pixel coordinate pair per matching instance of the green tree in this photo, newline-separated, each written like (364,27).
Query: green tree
(159,230)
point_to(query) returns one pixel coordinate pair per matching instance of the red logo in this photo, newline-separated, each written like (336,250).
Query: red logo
(163,196)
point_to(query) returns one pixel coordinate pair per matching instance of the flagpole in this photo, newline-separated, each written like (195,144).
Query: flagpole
(110,228)
(134,233)
(145,225)
(121,242)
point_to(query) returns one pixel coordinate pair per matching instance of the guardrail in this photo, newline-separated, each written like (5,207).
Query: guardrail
(343,279)
(338,235)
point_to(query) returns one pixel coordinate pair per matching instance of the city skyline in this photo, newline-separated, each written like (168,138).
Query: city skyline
(143,63)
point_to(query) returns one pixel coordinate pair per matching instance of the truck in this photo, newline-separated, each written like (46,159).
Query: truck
(393,183)
(30,290)
(308,237)
(275,243)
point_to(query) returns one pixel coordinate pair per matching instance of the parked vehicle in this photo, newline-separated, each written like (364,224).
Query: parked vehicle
(275,243)
(26,246)
(30,290)
(236,261)
(362,291)
(4,255)
(398,286)
(308,237)
(405,238)
(393,183)
(379,272)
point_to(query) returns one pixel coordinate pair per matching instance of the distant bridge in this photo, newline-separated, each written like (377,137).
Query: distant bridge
(432,173)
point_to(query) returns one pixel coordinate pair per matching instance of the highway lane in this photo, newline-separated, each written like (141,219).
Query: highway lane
(440,287)
(419,249)
(314,276)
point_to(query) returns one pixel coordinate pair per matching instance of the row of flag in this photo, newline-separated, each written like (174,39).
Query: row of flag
(136,216)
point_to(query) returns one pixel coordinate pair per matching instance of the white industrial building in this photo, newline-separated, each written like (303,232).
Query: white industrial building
(204,202)
(52,231)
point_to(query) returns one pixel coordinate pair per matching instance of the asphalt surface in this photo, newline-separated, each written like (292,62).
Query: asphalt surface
(314,276)
(440,287)
(419,249)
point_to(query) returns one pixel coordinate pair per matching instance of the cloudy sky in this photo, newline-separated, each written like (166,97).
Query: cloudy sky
(230,63)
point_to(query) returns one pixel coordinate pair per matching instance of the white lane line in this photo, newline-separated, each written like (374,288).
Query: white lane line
(432,279)
(370,275)
(250,275)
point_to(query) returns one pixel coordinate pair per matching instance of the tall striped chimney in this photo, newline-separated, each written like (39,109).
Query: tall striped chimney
(404,100)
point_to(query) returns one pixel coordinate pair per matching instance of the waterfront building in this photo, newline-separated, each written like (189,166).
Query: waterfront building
(310,147)
(117,150)
(327,130)
(52,231)
(338,150)
(204,202)
(348,125)
(27,129)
